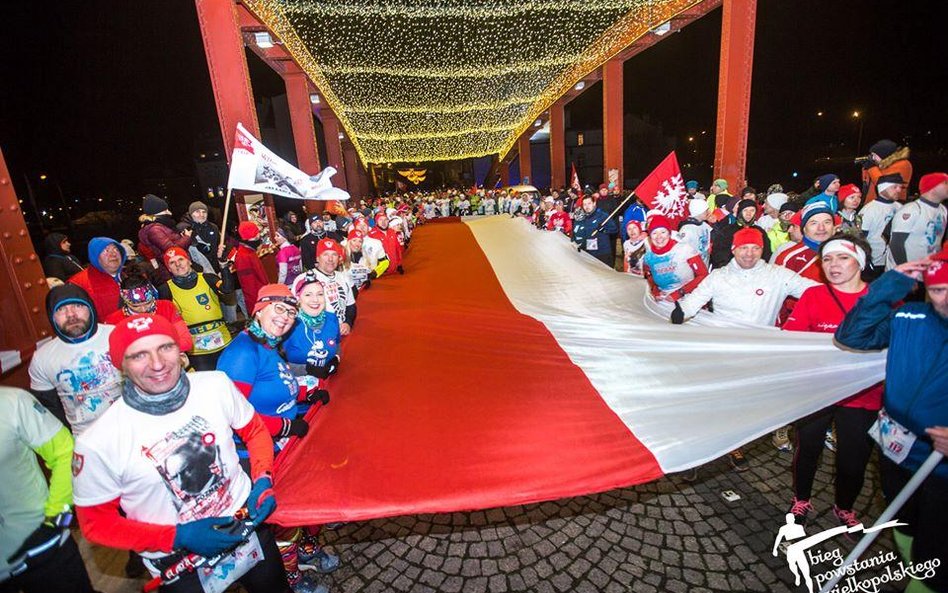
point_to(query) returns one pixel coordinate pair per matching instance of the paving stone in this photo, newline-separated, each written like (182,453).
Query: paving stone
(667,536)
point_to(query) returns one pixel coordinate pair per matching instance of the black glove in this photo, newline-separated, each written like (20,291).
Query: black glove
(36,549)
(318,395)
(297,427)
(677,316)
(367,284)
(400,269)
(320,372)
(373,275)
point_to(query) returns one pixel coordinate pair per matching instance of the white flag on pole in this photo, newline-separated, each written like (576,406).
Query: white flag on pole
(254,167)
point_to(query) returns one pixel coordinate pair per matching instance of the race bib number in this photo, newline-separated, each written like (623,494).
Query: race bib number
(592,244)
(210,341)
(359,275)
(218,578)
(896,440)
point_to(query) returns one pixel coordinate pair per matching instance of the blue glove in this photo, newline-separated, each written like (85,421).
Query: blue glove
(261,501)
(204,539)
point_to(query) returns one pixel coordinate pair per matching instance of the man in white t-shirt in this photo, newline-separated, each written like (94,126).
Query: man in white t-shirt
(158,473)
(37,554)
(71,374)
(919,227)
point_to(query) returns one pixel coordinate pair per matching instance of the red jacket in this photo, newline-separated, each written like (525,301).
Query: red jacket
(103,289)
(818,311)
(250,274)
(156,238)
(560,221)
(393,249)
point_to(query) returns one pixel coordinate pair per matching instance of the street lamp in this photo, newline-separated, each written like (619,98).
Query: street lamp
(862,121)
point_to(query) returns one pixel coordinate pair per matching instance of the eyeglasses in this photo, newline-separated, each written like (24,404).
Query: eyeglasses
(288,312)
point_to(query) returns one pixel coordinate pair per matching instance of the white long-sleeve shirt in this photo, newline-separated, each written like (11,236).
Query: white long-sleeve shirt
(749,296)
(875,216)
(917,231)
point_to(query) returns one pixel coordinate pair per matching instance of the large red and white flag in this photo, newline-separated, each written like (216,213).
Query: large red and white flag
(664,190)
(506,368)
(256,168)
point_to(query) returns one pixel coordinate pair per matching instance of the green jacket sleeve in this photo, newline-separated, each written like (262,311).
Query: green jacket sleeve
(57,456)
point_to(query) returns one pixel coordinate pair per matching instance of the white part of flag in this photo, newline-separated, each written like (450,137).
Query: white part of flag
(690,393)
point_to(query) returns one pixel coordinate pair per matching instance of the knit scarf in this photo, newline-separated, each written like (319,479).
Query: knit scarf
(187,282)
(157,404)
(261,336)
(814,245)
(663,250)
(313,322)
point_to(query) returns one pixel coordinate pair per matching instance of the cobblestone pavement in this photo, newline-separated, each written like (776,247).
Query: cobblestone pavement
(668,535)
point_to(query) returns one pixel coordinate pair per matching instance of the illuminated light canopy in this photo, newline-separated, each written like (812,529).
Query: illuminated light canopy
(428,80)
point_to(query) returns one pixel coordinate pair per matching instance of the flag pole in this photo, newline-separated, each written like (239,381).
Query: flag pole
(608,218)
(220,246)
(933,460)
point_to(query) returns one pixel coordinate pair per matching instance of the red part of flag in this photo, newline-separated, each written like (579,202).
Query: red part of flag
(664,190)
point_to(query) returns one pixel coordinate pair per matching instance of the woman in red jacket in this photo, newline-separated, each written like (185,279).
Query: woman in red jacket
(822,309)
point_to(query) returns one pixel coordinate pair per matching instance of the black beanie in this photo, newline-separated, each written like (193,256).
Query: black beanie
(884,148)
(152,205)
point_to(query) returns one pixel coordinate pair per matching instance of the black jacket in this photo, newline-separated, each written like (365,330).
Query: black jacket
(58,263)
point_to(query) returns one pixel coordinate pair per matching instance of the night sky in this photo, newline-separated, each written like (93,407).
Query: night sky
(100,95)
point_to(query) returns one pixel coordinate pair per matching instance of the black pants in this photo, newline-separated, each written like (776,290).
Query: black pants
(926,515)
(853,448)
(204,362)
(63,572)
(267,576)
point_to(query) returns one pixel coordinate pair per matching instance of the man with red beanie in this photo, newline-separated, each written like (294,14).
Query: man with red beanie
(914,421)
(158,473)
(340,297)
(918,228)
(389,238)
(251,276)
(673,269)
(747,289)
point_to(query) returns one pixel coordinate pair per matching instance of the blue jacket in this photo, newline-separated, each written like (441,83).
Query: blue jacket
(307,345)
(583,230)
(916,386)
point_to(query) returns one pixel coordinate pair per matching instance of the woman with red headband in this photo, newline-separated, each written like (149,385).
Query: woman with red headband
(822,309)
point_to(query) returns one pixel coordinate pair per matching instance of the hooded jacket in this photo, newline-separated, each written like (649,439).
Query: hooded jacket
(58,263)
(897,162)
(63,295)
(103,288)
(157,237)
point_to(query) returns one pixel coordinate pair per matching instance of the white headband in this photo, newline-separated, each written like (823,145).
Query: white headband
(884,186)
(847,247)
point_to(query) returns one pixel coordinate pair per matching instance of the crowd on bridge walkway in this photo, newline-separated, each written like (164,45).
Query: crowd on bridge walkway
(179,372)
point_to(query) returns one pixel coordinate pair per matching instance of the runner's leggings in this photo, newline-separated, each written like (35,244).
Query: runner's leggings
(853,447)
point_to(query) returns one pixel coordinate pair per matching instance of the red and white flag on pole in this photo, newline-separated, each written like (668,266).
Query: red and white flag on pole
(664,190)
(576,185)
(256,168)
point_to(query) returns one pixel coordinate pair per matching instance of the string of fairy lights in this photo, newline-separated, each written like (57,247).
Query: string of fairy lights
(451,79)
